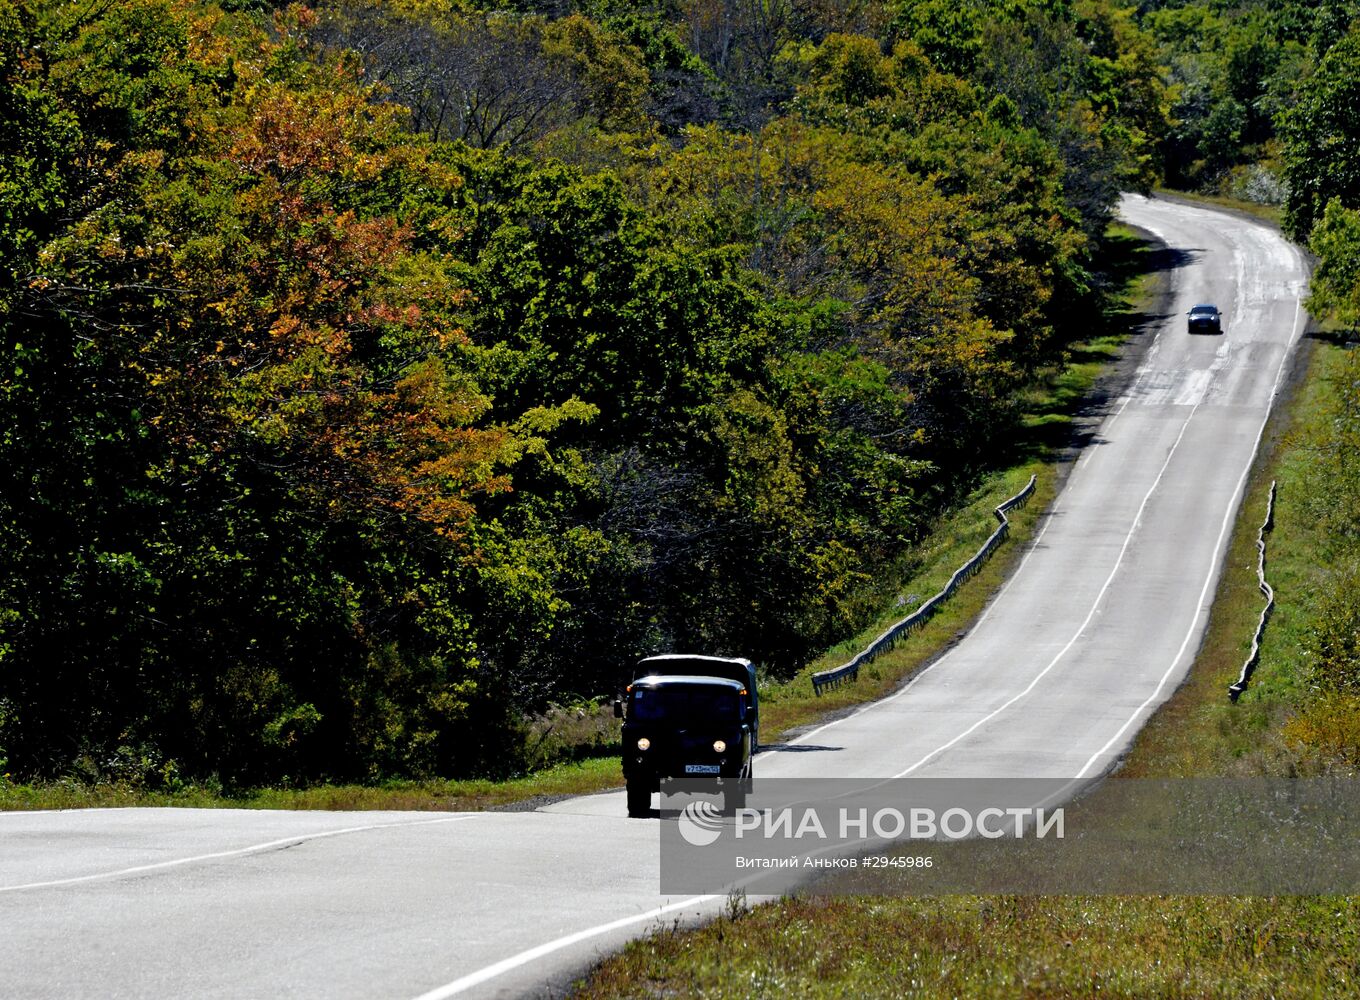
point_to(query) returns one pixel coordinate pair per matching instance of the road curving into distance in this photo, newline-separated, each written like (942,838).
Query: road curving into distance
(1094,629)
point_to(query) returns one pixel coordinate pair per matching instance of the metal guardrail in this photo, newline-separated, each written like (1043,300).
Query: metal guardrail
(850,671)
(1237,687)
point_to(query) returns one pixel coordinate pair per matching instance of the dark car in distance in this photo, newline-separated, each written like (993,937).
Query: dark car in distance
(1205,319)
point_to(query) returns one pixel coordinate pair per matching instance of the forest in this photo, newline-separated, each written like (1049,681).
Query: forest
(374,374)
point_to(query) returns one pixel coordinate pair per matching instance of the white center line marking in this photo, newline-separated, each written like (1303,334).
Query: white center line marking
(253,849)
(1081,629)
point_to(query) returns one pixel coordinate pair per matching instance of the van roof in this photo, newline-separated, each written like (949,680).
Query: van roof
(693,657)
(694,680)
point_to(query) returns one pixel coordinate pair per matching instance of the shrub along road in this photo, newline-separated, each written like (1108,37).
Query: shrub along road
(1092,632)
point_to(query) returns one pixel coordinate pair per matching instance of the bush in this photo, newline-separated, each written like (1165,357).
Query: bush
(1334,636)
(1256,183)
(573,731)
(1330,725)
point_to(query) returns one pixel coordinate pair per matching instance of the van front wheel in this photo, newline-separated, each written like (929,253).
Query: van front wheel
(639,799)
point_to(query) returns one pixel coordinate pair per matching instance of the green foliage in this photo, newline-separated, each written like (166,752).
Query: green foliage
(1336,282)
(1335,636)
(239,455)
(373,379)
(1321,136)
(1235,70)
(949,33)
(613,81)
(1330,622)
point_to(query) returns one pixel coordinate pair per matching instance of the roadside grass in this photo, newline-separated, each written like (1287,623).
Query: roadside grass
(1002,948)
(1115,946)
(785,705)
(1049,410)
(576,778)
(1266,213)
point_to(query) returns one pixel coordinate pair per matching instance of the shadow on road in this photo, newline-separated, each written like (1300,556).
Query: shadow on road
(1164,258)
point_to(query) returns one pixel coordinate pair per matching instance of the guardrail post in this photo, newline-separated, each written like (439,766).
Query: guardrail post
(1236,688)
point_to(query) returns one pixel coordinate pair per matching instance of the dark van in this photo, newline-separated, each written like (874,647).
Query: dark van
(690,726)
(734,668)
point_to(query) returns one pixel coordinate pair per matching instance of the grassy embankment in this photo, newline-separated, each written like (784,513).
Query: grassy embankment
(1116,946)
(1050,408)
(1269,214)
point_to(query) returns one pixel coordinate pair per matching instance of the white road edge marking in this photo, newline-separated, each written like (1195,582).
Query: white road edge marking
(868,706)
(1228,518)
(1081,629)
(253,849)
(525,957)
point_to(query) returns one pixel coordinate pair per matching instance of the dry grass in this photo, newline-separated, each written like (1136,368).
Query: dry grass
(1004,948)
(577,778)
(1266,213)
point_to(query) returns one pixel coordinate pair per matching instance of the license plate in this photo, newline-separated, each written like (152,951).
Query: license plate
(702,769)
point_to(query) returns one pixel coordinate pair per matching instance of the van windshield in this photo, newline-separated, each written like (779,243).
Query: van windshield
(699,704)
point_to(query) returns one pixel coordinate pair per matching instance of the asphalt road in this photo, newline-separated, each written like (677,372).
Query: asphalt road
(1093,630)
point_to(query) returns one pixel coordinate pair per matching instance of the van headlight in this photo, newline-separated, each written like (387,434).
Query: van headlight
(644,743)
(719,746)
